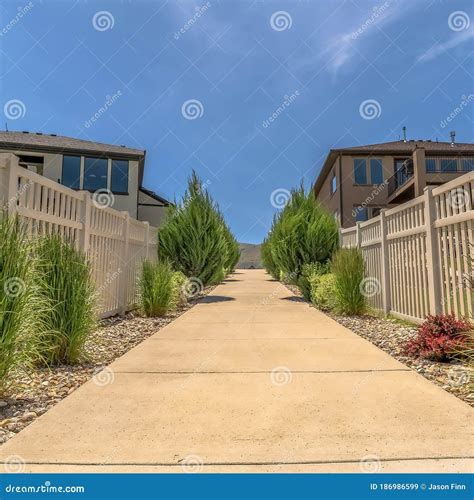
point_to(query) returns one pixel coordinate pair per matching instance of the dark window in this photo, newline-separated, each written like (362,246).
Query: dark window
(376,211)
(361,214)
(333,183)
(431,165)
(376,173)
(119,182)
(71,176)
(33,163)
(360,171)
(449,165)
(468,164)
(95,173)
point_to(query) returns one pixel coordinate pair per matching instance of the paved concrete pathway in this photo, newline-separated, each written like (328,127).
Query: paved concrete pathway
(252,379)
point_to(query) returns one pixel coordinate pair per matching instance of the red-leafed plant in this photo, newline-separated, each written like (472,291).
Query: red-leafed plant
(439,338)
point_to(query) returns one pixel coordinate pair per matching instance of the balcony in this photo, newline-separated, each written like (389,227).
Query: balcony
(401,182)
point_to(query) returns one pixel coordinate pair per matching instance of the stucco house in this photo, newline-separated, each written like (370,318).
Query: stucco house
(355,183)
(91,166)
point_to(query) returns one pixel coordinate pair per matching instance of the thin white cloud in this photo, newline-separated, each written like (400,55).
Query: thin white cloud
(440,48)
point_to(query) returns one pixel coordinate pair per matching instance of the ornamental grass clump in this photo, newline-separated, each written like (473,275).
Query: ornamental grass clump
(441,338)
(348,268)
(20,306)
(303,233)
(158,288)
(195,238)
(65,282)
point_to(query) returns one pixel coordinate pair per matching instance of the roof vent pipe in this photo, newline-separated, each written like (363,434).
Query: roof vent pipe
(453,137)
(404,134)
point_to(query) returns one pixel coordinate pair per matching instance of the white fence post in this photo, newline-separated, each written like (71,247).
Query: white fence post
(358,235)
(86,210)
(125,264)
(432,253)
(147,239)
(386,298)
(12,188)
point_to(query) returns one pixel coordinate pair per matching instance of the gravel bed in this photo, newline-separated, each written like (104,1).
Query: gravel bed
(391,335)
(35,392)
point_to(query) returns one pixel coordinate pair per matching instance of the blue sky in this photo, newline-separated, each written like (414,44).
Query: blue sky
(196,82)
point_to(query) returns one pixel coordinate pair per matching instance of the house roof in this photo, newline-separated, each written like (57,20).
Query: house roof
(394,147)
(50,142)
(155,196)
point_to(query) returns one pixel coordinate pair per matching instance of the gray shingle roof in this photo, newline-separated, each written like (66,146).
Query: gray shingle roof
(410,146)
(30,140)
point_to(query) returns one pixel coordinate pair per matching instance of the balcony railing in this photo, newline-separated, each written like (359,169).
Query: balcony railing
(401,176)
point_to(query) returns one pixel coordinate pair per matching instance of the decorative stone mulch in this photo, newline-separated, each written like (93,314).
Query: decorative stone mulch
(35,392)
(391,336)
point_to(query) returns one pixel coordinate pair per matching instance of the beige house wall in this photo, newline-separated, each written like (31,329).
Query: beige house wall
(150,209)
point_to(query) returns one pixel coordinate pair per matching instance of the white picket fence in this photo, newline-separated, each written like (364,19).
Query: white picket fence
(115,243)
(419,255)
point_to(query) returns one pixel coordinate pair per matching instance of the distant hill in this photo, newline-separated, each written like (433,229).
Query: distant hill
(249,256)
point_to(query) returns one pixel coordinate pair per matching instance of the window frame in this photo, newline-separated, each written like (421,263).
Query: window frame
(107,183)
(80,171)
(112,160)
(354,160)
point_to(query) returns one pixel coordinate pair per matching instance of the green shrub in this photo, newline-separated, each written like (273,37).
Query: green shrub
(348,268)
(302,233)
(267,260)
(157,288)
(308,273)
(195,238)
(178,281)
(65,282)
(323,293)
(19,302)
